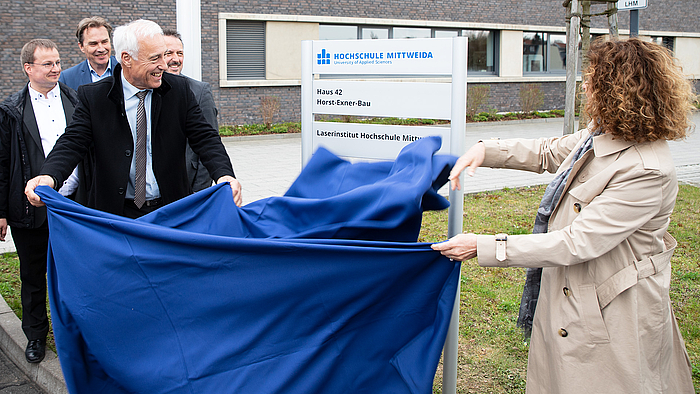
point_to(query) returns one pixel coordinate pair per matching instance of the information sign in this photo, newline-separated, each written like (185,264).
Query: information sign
(364,61)
(397,99)
(366,141)
(425,56)
(623,5)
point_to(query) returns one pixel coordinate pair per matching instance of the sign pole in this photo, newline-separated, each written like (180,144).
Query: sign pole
(634,23)
(456,210)
(346,96)
(307,115)
(634,6)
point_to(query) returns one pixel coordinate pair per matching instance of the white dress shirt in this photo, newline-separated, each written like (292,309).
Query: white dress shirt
(131,103)
(51,120)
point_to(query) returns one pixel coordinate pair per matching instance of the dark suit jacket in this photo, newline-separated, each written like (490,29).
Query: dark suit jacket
(80,74)
(197,174)
(100,119)
(22,155)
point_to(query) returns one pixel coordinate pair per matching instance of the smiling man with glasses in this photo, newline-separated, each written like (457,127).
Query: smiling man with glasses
(31,121)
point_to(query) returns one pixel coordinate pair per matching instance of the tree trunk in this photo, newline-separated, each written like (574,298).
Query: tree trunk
(573,20)
(585,62)
(612,20)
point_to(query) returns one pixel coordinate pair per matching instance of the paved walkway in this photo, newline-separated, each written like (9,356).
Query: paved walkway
(13,381)
(266,166)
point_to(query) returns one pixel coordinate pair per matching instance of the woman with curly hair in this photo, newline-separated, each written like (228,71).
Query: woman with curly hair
(598,258)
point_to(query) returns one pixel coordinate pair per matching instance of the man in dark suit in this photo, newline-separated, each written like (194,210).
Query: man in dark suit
(94,40)
(174,57)
(139,100)
(30,122)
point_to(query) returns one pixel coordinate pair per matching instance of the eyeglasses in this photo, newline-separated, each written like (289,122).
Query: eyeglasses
(48,65)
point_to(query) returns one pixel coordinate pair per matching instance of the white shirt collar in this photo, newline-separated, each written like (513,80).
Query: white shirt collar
(129,89)
(34,95)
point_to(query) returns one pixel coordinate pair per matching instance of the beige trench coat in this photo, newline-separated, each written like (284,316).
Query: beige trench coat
(604,322)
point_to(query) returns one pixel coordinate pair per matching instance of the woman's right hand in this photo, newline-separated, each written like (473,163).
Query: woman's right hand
(471,160)
(461,247)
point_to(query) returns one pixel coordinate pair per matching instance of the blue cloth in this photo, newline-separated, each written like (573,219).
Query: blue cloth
(289,294)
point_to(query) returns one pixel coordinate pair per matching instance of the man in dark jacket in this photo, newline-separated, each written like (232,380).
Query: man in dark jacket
(134,176)
(30,122)
(174,57)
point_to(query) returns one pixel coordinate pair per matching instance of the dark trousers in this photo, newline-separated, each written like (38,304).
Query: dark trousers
(131,211)
(32,245)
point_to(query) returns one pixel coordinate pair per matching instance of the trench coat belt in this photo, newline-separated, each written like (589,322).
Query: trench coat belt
(630,275)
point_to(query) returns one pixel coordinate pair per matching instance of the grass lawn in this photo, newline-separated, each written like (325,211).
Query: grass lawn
(492,356)
(492,353)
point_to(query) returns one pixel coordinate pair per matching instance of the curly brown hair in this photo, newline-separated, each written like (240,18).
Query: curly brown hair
(637,91)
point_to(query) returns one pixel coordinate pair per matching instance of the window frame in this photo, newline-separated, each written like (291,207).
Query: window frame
(459,32)
(546,57)
(253,51)
(669,42)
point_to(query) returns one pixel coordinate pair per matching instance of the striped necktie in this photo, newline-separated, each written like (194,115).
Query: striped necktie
(140,170)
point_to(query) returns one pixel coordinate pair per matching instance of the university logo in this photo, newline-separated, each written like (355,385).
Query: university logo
(323,57)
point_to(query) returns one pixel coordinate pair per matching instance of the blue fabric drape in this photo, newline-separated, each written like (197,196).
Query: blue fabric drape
(323,290)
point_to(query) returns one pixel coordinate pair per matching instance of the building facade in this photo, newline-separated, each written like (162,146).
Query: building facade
(252,49)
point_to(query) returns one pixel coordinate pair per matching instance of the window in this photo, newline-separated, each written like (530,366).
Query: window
(544,52)
(665,41)
(557,53)
(445,33)
(337,32)
(481,51)
(411,32)
(245,50)
(482,54)
(373,32)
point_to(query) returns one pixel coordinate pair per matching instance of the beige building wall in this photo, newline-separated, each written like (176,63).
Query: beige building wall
(511,54)
(687,50)
(283,48)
